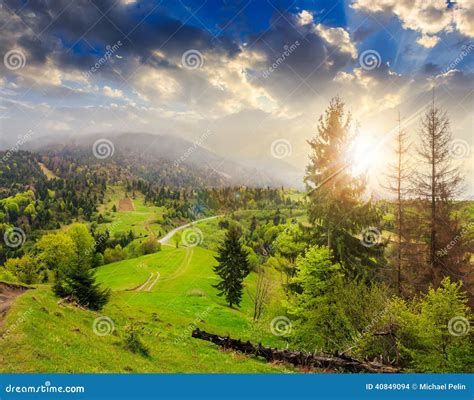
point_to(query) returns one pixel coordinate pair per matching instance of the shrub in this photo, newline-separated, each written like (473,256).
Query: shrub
(150,245)
(430,333)
(7,276)
(133,342)
(114,255)
(25,269)
(327,311)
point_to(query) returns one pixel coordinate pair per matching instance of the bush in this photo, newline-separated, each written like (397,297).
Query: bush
(25,269)
(7,276)
(327,311)
(150,246)
(133,342)
(429,334)
(114,255)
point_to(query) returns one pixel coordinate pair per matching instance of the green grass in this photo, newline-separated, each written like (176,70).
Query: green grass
(145,219)
(43,336)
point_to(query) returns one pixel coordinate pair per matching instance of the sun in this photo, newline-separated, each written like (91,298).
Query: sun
(365,155)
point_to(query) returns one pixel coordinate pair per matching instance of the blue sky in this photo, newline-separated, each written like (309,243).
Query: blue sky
(380,56)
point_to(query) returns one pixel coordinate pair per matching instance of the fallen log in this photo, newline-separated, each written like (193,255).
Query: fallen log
(337,361)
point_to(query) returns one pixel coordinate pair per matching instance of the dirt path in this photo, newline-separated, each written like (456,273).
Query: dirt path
(126,205)
(141,287)
(8,294)
(153,283)
(149,283)
(49,174)
(170,234)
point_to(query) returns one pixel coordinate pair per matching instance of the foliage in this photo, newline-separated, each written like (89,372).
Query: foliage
(115,254)
(328,311)
(133,341)
(427,337)
(233,267)
(335,207)
(150,246)
(77,280)
(25,269)
(57,251)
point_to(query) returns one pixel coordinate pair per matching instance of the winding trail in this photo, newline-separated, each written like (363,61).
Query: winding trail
(153,283)
(170,234)
(141,287)
(148,285)
(8,293)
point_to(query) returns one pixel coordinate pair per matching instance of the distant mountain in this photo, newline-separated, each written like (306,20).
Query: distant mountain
(148,155)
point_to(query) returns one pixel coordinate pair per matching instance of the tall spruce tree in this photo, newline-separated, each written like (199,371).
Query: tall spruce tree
(336,209)
(233,267)
(438,182)
(76,281)
(398,177)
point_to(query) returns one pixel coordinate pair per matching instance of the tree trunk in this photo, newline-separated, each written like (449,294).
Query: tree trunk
(337,361)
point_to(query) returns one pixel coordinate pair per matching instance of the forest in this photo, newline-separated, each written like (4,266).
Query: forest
(97,252)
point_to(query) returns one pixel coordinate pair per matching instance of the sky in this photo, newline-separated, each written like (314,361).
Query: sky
(255,73)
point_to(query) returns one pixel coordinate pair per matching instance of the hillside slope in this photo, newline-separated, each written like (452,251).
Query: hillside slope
(42,336)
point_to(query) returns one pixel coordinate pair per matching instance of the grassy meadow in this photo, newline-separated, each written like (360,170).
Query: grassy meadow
(181,299)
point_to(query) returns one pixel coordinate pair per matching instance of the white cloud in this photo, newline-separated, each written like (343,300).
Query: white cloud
(428,41)
(464,17)
(109,92)
(427,17)
(305,17)
(338,37)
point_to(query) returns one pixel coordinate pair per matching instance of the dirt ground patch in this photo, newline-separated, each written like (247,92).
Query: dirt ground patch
(126,205)
(8,293)
(49,174)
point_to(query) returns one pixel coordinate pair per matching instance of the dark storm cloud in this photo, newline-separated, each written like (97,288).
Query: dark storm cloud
(362,33)
(75,33)
(431,68)
(309,68)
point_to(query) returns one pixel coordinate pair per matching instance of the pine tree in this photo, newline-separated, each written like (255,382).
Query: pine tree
(76,281)
(438,184)
(233,267)
(398,178)
(336,209)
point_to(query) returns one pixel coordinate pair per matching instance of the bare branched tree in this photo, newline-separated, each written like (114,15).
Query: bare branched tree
(398,178)
(262,293)
(437,181)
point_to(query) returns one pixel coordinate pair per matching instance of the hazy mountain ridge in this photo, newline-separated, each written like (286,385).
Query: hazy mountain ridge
(147,154)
